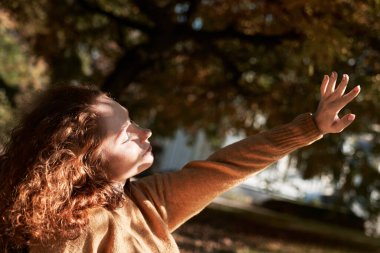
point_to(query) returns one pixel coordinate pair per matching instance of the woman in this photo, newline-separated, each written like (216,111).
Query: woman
(65,173)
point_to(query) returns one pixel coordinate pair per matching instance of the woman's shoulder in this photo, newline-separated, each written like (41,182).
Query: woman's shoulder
(98,219)
(97,228)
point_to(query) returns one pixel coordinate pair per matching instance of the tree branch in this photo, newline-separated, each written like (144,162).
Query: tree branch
(230,66)
(230,33)
(127,68)
(120,20)
(140,56)
(10,92)
(192,8)
(151,10)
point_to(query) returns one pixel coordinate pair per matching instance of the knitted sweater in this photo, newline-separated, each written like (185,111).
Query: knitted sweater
(156,205)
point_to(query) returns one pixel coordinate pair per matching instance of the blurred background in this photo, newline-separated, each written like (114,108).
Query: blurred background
(205,73)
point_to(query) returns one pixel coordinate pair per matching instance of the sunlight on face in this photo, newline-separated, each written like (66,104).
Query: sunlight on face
(125,148)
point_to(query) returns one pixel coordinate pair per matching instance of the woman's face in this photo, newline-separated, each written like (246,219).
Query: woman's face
(125,148)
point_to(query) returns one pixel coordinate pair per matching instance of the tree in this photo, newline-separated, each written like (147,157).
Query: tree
(212,64)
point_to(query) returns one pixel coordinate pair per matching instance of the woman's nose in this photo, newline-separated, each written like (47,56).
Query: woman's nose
(144,133)
(148,133)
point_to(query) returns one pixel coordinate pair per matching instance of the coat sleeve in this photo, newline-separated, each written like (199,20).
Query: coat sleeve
(179,195)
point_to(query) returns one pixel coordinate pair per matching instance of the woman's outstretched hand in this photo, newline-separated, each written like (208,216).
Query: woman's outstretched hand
(332,101)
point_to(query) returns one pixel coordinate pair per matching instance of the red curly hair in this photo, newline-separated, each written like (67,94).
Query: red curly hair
(51,170)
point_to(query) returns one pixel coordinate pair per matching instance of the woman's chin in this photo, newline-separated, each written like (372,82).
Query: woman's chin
(146,165)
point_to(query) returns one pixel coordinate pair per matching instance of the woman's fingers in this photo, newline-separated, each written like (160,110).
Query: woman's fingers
(332,102)
(325,81)
(331,84)
(344,100)
(344,122)
(342,86)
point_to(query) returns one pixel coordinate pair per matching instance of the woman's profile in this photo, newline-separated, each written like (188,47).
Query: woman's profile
(65,173)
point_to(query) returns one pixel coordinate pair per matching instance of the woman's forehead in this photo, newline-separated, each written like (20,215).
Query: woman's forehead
(112,115)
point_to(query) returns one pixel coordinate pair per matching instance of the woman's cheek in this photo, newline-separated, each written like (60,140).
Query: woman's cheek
(129,154)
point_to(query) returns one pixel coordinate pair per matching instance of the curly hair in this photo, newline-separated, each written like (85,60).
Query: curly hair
(51,170)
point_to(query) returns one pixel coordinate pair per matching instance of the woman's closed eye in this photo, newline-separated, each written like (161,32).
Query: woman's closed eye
(128,132)
(130,136)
